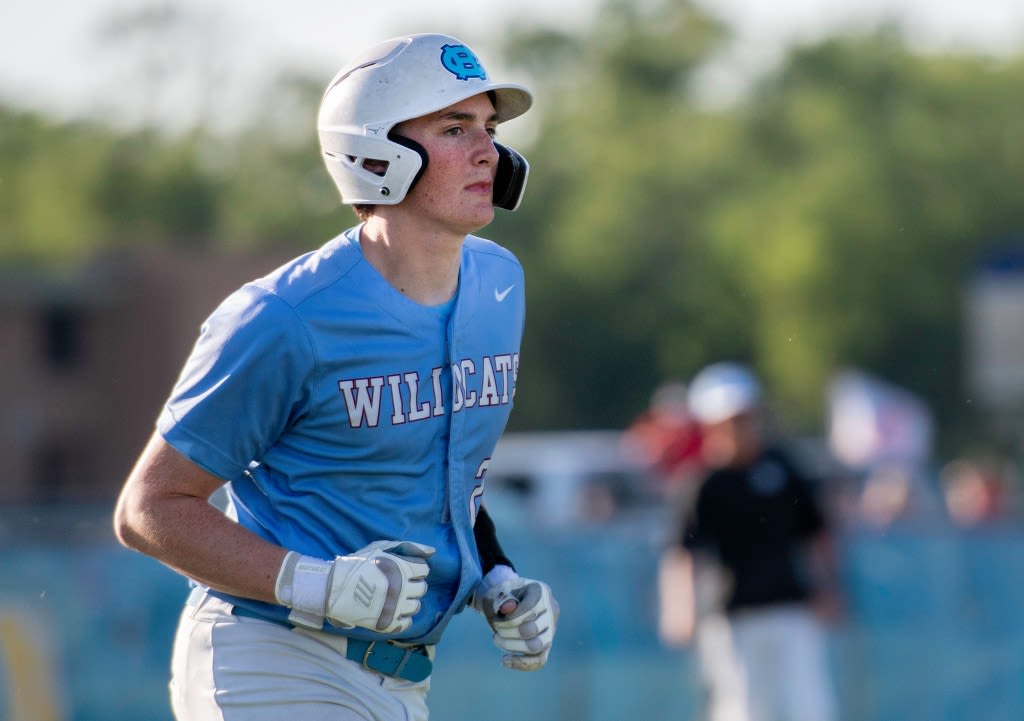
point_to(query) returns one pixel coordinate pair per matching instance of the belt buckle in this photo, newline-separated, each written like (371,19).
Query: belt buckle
(366,655)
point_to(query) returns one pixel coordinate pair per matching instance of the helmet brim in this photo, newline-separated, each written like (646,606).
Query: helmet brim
(512,100)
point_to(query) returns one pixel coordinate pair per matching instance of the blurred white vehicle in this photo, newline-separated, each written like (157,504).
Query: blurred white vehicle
(557,478)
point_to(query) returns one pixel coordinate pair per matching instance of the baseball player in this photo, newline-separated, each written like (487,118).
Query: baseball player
(751,565)
(348,404)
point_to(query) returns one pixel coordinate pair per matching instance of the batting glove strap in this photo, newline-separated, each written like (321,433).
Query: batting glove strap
(302,584)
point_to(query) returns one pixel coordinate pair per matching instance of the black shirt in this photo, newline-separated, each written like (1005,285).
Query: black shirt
(755,521)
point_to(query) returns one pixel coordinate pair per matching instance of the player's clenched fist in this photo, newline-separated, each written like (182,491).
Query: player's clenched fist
(378,587)
(523,615)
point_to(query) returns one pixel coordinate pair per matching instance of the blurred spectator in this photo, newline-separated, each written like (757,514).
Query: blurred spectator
(974,491)
(873,422)
(883,434)
(885,496)
(895,493)
(751,575)
(667,438)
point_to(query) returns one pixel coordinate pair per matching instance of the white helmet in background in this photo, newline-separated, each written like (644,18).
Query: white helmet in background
(397,80)
(722,391)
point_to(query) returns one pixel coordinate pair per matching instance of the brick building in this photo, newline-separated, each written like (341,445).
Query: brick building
(87,361)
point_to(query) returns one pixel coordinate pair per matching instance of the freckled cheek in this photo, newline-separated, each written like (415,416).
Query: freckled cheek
(431,186)
(436,177)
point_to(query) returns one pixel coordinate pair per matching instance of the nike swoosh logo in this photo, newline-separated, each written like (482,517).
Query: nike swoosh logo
(499,295)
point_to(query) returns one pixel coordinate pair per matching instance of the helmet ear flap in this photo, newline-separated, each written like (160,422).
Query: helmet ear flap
(510,178)
(419,149)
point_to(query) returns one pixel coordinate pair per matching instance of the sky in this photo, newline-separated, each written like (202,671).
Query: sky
(53,57)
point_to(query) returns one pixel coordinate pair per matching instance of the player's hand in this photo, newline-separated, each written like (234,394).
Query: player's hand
(523,615)
(828,607)
(379,587)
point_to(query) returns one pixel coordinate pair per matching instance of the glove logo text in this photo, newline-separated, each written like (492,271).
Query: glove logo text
(364,592)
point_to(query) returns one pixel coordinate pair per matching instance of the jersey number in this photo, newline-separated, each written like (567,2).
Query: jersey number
(476,497)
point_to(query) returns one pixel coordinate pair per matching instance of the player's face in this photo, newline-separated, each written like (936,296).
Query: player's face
(456,190)
(732,442)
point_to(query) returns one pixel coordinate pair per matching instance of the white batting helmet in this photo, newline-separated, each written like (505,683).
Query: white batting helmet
(397,80)
(723,390)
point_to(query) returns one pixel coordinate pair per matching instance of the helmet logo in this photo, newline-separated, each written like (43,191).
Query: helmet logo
(461,62)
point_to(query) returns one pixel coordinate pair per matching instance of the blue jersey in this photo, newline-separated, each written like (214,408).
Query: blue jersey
(343,413)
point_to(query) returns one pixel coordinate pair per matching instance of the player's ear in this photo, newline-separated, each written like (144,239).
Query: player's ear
(510,180)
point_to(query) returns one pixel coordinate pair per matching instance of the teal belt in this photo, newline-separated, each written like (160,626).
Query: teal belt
(410,663)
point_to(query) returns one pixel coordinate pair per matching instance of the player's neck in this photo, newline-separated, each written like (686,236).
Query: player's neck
(422,266)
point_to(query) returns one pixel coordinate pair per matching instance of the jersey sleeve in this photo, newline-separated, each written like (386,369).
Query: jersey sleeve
(243,384)
(811,517)
(488,547)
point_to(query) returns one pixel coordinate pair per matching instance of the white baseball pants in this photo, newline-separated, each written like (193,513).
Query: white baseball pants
(766,665)
(231,668)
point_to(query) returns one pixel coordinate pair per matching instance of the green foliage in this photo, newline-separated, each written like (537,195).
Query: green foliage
(150,193)
(874,178)
(277,193)
(828,219)
(44,212)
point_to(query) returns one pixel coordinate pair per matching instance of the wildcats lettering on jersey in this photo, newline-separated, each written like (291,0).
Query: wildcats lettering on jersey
(409,397)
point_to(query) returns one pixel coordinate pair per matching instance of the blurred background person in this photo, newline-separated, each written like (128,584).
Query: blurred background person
(883,435)
(750,576)
(975,491)
(666,438)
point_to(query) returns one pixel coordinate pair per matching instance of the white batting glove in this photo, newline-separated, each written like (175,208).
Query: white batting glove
(378,587)
(526,632)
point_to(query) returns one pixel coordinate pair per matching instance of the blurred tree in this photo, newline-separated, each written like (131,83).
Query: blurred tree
(45,212)
(153,193)
(277,192)
(828,218)
(618,283)
(172,63)
(873,176)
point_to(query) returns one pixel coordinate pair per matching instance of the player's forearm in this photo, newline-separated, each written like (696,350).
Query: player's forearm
(677,596)
(164,512)
(198,541)
(824,558)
